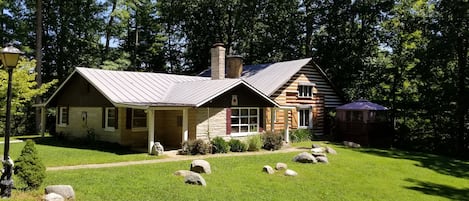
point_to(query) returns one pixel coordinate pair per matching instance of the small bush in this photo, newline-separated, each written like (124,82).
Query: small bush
(237,146)
(219,145)
(254,143)
(301,135)
(29,168)
(272,140)
(197,146)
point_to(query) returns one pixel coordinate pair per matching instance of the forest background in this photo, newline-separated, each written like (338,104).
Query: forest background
(409,55)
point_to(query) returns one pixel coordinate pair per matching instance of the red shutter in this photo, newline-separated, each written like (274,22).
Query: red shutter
(261,120)
(228,121)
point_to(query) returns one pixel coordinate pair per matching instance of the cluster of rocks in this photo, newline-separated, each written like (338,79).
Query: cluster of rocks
(279,167)
(59,193)
(193,176)
(317,155)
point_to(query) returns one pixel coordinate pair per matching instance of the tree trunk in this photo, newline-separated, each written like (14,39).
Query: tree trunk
(38,61)
(108,32)
(462,105)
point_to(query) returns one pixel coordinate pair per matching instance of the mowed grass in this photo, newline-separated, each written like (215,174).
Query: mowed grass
(56,153)
(353,174)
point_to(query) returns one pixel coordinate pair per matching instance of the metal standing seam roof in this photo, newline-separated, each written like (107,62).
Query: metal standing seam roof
(268,78)
(155,89)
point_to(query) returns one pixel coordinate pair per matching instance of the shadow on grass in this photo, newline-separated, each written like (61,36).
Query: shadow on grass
(82,144)
(440,164)
(431,188)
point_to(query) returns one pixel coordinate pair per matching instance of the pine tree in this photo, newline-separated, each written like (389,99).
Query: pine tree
(29,167)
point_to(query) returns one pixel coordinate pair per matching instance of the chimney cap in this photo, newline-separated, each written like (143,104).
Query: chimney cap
(218,44)
(235,56)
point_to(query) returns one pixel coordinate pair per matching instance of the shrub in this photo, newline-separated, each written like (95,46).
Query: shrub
(29,167)
(301,135)
(272,140)
(219,145)
(254,143)
(237,146)
(197,146)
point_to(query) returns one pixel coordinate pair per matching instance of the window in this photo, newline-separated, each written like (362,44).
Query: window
(139,118)
(244,120)
(304,118)
(305,91)
(63,116)
(110,115)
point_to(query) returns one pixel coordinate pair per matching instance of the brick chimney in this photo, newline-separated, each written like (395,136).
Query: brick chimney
(217,61)
(234,66)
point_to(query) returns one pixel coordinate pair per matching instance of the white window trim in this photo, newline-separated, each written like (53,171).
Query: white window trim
(106,116)
(138,129)
(310,117)
(242,134)
(61,109)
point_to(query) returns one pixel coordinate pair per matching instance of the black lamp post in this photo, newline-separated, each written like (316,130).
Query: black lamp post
(9,56)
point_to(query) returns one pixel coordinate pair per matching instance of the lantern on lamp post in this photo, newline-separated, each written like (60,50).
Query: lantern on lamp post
(9,56)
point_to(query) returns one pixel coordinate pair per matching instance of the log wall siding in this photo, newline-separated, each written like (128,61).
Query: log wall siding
(287,95)
(78,129)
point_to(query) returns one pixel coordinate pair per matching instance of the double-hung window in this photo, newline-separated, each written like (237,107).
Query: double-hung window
(110,120)
(244,120)
(139,118)
(304,118)
(63,116)
(305,90)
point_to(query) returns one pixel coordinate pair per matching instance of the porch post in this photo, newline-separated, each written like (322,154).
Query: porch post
(287,125)
(272,119)
(151,129)
(43,121)
(185,122)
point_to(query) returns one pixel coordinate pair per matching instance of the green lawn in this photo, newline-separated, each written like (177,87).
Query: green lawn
(56,153)
(360,174)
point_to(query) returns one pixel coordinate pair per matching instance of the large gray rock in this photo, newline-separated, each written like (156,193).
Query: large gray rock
(157,149)
(66,191)
(305,157)
(317,150)
(195,179)
(182,173)
(316,146)
(290,173)
(201,166)
(330,150)
(268,169)
(351,144)
(281,166)
(53,197)
(322,159)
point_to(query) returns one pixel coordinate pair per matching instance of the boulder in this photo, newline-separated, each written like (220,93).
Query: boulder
(317,150)
(157,149)
(195,179)
(351,144)
(305,157)
(316,146)
(53,197)
(66,191)
(330,150)
(322,159)
(182,173)
(268,169)
(290,173)
(201,166)
(281,166)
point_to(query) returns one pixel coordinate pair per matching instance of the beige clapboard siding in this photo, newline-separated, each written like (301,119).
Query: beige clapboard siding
(77,128)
